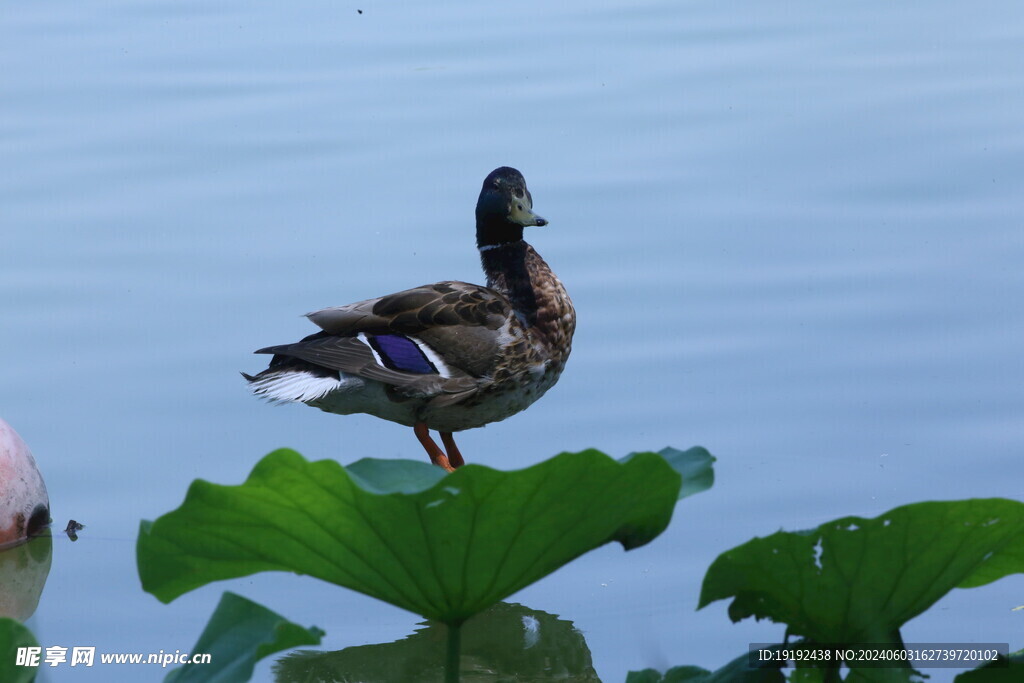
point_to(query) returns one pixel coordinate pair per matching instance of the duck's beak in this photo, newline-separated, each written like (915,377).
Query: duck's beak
(522,213)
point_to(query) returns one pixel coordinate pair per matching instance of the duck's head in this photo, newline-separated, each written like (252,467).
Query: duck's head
(505,207)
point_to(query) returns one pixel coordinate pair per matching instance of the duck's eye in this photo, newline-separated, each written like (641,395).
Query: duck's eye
(519,206)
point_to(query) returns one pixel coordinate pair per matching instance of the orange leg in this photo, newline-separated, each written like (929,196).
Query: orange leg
(437,456)
(453,451)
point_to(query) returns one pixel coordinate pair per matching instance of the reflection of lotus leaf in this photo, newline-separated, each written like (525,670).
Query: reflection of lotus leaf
(23,572)
(506,642)
(736,671)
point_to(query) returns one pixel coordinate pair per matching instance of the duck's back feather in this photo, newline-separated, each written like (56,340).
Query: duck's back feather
(438,342)
(443,304)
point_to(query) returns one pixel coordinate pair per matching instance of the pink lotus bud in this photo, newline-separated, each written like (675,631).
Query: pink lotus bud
(24,504)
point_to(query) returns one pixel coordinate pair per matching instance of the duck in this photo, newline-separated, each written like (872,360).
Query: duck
(443,357)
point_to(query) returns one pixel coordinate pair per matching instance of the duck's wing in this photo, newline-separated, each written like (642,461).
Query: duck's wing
(443,304)
(439,341)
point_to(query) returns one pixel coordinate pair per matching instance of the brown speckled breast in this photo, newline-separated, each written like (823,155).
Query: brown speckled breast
(539,340)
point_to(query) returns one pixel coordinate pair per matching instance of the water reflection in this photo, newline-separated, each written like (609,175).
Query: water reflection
(23,572)
(505,642)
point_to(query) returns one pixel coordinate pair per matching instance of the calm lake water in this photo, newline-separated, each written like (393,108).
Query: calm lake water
(792,232)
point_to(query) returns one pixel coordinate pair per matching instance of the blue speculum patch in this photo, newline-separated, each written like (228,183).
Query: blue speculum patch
(401,353)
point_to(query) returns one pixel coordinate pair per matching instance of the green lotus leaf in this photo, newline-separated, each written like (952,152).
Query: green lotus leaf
(378,475)
(14,635)
(241,632)
(1004,670)
(694,465)
(445,552)
(859,580)
(873,675)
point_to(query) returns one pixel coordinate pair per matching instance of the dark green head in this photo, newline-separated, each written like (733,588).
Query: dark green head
(505,207)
